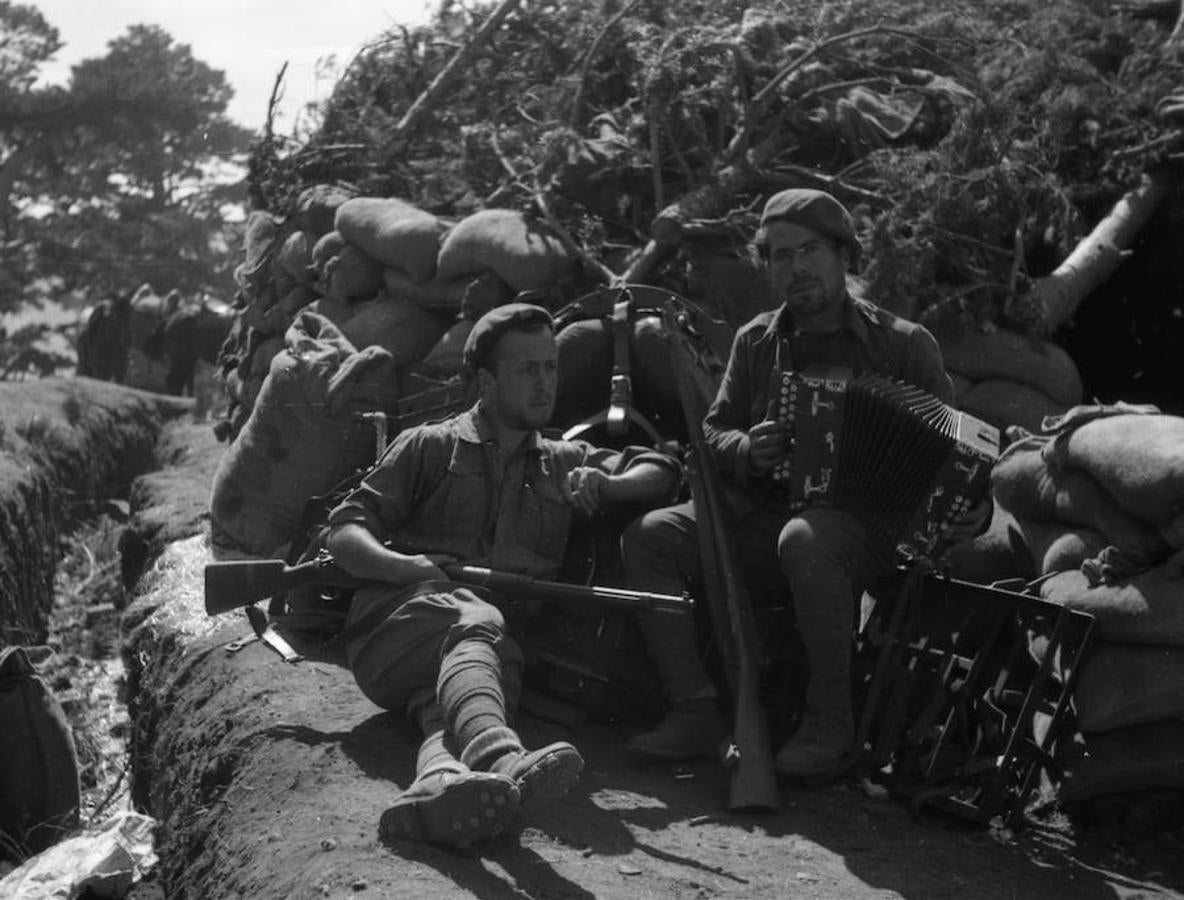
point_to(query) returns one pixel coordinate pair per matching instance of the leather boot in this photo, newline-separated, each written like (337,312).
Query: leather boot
(541,775)
(826,735)
(692,729)
(452,807)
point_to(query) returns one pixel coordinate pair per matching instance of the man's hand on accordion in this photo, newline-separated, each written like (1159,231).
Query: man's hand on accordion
(768,442)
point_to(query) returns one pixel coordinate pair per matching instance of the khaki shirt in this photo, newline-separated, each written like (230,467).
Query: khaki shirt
(447,487)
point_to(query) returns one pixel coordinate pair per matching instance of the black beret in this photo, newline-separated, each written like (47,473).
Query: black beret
(813,209)
(495,323)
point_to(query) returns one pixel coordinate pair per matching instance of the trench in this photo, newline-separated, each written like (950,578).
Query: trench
(87,673)
(72,453)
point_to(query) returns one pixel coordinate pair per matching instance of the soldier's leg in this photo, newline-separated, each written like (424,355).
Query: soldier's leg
(395,654)
(447,803)
(478,686)
(829,560)
(660,552)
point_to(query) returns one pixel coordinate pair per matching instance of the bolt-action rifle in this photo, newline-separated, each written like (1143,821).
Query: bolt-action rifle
(754,781)
(237,583)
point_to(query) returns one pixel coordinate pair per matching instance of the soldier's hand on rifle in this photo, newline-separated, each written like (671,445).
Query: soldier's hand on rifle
(415,567)
(584,488)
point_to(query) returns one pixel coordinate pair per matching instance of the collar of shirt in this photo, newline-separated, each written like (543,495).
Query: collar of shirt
(856,316)
(472,426)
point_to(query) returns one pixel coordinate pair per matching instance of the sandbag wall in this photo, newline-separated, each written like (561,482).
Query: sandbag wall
(1094,508)
(345,306)
(1010,379)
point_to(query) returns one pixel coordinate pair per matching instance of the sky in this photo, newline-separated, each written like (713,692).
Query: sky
(249,40)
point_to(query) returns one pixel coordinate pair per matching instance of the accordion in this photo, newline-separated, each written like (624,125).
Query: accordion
(902,461)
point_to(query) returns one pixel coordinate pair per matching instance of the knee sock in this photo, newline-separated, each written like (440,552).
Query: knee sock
(470,691)
(435,753)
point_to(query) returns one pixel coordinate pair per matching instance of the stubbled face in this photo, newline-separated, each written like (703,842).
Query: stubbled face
(807,269)
(520,391)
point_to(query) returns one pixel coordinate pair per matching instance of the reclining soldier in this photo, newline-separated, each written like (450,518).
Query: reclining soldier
(483,488)
(827,557)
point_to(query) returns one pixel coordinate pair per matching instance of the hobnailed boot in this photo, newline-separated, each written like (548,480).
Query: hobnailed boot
(452,807)
(541,775)
(691,730)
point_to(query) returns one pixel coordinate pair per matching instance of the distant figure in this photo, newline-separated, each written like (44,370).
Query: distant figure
(188,333)
(105,340)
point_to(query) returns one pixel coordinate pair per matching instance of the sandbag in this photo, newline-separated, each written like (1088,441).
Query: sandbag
(526,254)
(1146,609)
(475,295)
(1031,489)
(1057,547)
(316,207)
(999,553)
(327,246)
(351,275)
(260,236)
(40,793)
(1139,459)
(1013,357)
(1004,402)
(302,437)
(1129,684)
(393,232)
(404,330)
(294,257)
(1128,759)
(445,357)
(243,384)
(265,313)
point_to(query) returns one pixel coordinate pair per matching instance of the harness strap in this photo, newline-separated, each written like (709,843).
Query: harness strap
(621,387)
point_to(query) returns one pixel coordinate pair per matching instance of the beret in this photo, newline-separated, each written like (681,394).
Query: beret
(813,209)
(495,323)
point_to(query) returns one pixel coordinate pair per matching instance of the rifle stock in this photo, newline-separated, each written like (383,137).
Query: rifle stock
(237,583)
(754,781)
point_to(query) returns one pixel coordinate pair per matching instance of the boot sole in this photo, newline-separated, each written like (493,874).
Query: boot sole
(474,806)
(549,777)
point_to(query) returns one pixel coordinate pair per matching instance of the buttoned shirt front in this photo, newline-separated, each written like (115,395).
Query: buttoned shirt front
(448,487)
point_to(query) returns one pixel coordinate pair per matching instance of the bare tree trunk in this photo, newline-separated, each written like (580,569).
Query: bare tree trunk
(432,93)
(1099,254)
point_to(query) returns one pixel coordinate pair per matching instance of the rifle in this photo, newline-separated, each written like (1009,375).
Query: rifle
(243,582)
(754,781)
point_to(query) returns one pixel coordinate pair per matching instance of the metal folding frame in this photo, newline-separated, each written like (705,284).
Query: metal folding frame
(958,716)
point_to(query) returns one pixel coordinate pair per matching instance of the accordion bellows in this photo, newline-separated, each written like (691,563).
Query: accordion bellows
(902,461)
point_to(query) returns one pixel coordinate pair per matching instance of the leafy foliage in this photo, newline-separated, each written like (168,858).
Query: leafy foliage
(1030,119)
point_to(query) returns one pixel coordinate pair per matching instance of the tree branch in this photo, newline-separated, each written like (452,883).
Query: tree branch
(443,80)
(577,104)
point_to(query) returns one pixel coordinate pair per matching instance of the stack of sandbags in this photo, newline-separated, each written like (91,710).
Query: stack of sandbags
(304,435)
(1100,502)
(1006,378)
(387,274)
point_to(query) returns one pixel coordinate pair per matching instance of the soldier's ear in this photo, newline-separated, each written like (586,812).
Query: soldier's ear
(485,379)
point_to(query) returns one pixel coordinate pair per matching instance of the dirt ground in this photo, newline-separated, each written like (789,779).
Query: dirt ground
(269,778)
